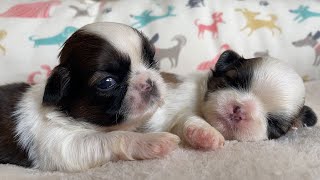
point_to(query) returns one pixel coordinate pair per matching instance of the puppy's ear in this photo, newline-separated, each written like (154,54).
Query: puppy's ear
(306,117)
(227,60)
(57,86)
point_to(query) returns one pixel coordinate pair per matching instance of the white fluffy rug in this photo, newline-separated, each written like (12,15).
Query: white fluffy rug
(294,156)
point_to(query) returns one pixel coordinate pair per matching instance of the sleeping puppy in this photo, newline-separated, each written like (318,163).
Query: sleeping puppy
(241,99)
(107,80)
(255,99)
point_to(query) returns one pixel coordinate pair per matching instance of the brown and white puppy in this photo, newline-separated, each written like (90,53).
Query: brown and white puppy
(255,99)
(107,80)
(241,99)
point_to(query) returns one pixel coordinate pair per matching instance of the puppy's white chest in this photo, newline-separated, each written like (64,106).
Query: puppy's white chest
(179,102)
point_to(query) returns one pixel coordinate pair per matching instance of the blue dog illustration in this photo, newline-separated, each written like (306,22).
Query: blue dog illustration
(304,13)
(145,17)
(58,39)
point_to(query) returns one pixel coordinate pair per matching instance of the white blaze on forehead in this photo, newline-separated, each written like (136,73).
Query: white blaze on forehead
(122,37)
(278,86)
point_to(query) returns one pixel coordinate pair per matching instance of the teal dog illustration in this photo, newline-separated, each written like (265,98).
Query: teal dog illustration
(145,17)
(58,39)
(303,13)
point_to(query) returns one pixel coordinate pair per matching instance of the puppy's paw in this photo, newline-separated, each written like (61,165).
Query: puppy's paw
(156,145)
(205,138)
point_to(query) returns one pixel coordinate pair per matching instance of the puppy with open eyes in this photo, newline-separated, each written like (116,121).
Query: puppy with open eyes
(106,85)
(241,99)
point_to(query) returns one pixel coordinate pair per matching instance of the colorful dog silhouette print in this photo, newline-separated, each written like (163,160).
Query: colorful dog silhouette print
(254,24)
(213,28)
(3,34)
(195,3)
(263,3)
(303,13)
(79,12)
(31,10)
(171,53)
(206,65)
(311,40)
(145,17)
(58,39)
(37,76)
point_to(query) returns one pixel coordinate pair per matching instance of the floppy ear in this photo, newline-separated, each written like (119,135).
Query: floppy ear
(227,60)
(306,117)
(57,86)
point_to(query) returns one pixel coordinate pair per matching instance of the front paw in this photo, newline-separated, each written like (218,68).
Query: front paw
(205,138)
(156,145)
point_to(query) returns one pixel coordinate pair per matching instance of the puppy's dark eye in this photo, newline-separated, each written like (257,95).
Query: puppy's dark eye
(107,83)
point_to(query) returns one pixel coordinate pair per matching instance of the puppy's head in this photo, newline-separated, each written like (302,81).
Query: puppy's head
(107,76)
(255,99)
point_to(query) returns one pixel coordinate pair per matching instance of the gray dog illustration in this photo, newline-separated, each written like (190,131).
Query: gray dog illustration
(171,53)
(195,3)
(79,12)
(311,40)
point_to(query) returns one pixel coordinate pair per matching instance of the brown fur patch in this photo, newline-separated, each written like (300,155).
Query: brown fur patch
(10,151)
(172,80)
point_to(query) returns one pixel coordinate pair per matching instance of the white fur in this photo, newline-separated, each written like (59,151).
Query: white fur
(275,88)
(180,114)
(180,103)
(52,140)
(115,33)
(55,141)
(278,86)
(132,46)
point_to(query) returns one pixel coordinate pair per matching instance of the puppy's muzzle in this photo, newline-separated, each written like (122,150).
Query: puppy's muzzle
(147,86)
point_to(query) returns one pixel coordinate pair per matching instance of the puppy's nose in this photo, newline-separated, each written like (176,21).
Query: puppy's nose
(238,114)
(147,86)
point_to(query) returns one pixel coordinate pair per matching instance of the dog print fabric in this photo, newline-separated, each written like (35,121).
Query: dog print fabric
(58,39)
(189,35)
(30,10)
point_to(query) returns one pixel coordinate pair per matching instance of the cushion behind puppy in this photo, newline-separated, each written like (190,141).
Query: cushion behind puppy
(107,80)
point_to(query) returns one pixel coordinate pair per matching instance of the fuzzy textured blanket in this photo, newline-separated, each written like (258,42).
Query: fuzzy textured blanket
(294,156)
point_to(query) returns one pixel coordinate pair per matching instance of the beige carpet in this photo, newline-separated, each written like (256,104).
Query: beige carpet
(295,156)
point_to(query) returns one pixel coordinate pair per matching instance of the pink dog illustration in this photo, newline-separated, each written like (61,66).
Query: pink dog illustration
(210,63)
(31,10)
(37,76)
(213,28)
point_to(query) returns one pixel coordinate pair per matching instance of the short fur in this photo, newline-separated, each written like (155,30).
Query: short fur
(241,99)
(67,123)
(265,107)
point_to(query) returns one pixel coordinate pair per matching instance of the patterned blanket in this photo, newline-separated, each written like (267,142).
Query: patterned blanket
(189,35)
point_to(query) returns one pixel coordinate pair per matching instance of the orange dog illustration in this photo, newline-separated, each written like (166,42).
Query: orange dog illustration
(217,18)
(3,34)
(254,24)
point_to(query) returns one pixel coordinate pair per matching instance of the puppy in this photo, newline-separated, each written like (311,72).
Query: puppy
(106,82)
(241,99)
(255,99)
